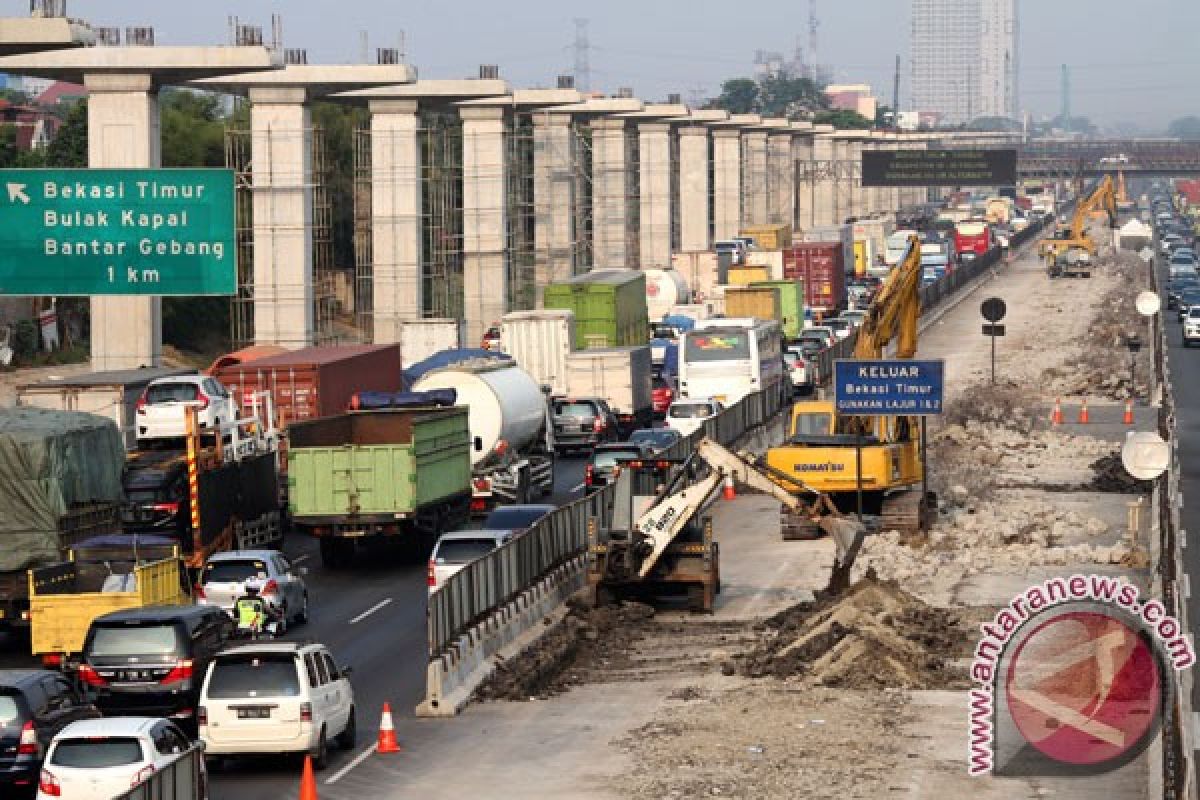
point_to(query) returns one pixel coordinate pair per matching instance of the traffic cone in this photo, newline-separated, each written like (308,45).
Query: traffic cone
(729,492)
(387,732)
(1056,418)
(1084,416)
(1128,418)
(308,783)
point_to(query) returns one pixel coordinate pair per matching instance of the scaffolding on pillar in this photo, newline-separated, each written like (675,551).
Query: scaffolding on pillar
(441,140)
(364,259)
(584,211)
(241,311)
(326,327)
(520,215)
(633,199)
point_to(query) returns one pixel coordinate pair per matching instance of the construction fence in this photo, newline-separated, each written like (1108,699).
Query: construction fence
(181,779)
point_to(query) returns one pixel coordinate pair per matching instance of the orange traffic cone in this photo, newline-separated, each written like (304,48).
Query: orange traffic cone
(308,783)
(1128,418)
(729,492)
(1056,418)
(1084,416)
(387,732)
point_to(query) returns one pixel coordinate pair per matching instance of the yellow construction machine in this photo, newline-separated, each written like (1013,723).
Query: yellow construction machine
(1069,252)
(824,449)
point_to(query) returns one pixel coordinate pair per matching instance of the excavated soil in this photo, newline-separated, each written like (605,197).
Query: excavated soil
(585,637)
(876,636)
(1111,476)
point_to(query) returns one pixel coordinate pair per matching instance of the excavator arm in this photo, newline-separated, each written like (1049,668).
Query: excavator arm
(895,310)
(1102,198)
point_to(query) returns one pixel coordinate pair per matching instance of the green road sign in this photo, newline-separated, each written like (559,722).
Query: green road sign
(117,231)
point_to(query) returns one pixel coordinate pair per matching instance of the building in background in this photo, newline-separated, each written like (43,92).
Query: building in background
(853,97)
(965,59)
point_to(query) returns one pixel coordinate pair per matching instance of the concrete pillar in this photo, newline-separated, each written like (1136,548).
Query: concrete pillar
(554,199)
(781,174)
(825,190)
(485,267)
(870,195)
(654,170)
(727,183)
(694,229)
(756,208)
(611,187)
(123,131)
(395,218)
(802,153)
(281,137)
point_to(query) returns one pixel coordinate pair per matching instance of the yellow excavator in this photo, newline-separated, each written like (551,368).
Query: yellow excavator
(1069,252)
(824,449)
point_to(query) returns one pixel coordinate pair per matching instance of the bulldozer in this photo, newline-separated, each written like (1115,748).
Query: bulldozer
(1070,251)
(826,452)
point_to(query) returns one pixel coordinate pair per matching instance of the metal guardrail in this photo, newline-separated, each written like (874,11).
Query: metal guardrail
(182,779)
(497,578)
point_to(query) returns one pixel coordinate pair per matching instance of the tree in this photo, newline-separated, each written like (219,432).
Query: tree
(783,96)
(843,119)
(69,148)
(738,96)
(193,129)
(1185,128)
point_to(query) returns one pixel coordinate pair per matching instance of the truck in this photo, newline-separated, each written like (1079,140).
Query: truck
(539,341)
(758,301)
(609,306)
(422,338)
(820,266)
(101,574)
(768,237)
(972,239)
(60,483)
(665,288)
(113,394)
(402,476)
(791,305)
(620,375)
(512,432)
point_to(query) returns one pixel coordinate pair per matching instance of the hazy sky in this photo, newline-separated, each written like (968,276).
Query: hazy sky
(1132,60)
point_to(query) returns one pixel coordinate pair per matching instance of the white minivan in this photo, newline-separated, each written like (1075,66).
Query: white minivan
(276,697)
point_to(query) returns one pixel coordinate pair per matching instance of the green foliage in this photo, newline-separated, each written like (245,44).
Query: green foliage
(738,96)
(843,119)
(193,129)
(773,96)
(1185,128)
(24,341)
(338,123)
(70,147)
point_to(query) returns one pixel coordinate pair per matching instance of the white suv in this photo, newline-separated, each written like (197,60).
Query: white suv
(276,697)
(161,409)
(1191,326)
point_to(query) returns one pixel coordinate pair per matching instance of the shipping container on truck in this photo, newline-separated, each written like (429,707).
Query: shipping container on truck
(421,338)
(609,307)
(744,276)
(791,305)
(701,270)
(60,483)
(759,302)
(401,475)
(772,260)
(821,266)
(540,341)
(113,394)
(769,237)
(620,375)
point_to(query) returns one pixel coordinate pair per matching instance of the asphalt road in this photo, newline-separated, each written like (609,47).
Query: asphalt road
(372,617)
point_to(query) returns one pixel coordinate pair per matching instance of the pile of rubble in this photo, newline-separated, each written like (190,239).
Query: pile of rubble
(875,636)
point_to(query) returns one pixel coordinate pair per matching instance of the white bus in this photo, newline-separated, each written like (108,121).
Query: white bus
(727,359)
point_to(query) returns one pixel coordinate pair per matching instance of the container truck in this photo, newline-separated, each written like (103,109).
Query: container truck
(768,237)
(421,338)
(665,288)
(60,483)
(620,375)
(744,276)
(701,270)
(821,267)
(512,432)
(771,260)
(113,394)
(398,475)
(539,341)
(791,305)
(609,306)
(758,301)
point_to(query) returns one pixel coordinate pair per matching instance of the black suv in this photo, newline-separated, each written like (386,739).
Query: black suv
(582,423)
(151,661)
(156,498)
(34,706)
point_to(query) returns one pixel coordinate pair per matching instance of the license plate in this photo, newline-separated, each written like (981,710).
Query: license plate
(254,713)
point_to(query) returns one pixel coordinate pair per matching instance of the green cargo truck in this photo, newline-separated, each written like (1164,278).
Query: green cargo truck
(402,474)
(791,305)
(609,306)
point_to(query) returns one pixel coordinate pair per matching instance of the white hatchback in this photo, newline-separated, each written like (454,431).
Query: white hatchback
(688,416)
(276,697)
(281,586)
(98,758)
(161,410)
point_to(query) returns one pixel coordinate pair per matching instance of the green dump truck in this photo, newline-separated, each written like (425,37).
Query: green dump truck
(609,307)
(791,305)
(399,474)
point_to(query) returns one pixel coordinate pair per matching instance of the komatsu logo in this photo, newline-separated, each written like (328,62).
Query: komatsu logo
(827,467)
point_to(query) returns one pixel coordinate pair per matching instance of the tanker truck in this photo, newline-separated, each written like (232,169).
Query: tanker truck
(512,435)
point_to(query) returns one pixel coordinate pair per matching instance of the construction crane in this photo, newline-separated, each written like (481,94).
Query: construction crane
(1070,251)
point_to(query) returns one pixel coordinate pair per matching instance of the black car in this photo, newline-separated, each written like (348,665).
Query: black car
(582,423)
(34,706)
(657,439)
(602,467)
(155,484)
(1178,286)
(151,661)
(518,518)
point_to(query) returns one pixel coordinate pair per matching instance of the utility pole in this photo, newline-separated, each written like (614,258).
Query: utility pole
(896,96)
(583,69)
(813,25)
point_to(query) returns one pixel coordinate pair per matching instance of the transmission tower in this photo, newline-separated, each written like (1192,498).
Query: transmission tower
(813,25)
(583,69)
(1066,98)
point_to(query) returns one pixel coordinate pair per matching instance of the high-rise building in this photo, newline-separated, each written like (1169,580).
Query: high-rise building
(964,58)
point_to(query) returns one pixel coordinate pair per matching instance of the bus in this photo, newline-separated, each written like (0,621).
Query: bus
(972,239)
(728,359)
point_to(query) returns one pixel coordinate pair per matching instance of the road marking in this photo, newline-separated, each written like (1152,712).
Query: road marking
(371,610)
(358,759)
(577,488)
(301,559)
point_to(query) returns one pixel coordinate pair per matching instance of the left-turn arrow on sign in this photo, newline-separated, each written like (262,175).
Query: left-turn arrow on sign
(16,191)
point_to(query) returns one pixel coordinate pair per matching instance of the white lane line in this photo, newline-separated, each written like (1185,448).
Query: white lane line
(358,759)
(301,559)
(371,610)
(577,488)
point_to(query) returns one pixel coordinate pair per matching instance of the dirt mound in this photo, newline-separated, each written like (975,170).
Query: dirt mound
(584,636)
(873,637)
(1111,476)
(1006,406)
